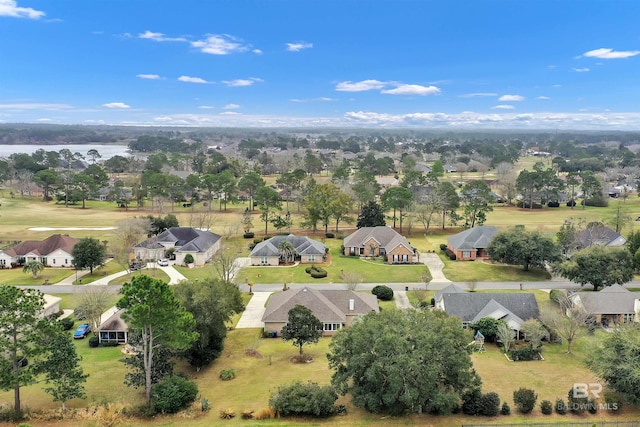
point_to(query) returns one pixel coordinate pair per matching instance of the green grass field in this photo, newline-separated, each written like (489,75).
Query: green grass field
(16,277)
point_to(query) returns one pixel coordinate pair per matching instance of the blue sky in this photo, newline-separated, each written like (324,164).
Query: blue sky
(512,64)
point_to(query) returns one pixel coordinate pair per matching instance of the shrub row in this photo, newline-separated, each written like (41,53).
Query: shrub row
(523,354)
(476,403)
(316,272)
(450,254)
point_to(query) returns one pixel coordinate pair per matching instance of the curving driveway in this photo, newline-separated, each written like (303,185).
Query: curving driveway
(435,265)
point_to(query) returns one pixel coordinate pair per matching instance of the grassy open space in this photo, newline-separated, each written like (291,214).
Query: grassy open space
(16,277)
(256,378)
(108,269)
(155,273)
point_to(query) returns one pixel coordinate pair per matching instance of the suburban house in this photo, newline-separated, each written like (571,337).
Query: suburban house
(307,250)
(54,251)
(387,181)
(112,327)
(201,244)
(513,308)
(380,241)
(612,305)
(336,309)
(472,244)
(599,235)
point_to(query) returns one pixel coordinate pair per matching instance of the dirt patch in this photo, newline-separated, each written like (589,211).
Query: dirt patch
(253,353)
(305,358)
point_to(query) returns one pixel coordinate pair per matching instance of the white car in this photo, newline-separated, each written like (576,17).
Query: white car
(163,262)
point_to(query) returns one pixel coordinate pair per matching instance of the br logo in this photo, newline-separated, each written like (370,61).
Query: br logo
(582,390)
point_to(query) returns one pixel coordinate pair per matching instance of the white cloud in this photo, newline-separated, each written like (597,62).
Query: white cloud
(231,107)
(543,97)
(229,113)
(241,82)
(45,119)
(360,86)
(511,98)
(478,95)
(503,107)
(160,37)
(606,53)
(149,76)
(11,8)
(188,79)
(412,90)
(319,99)
(219,44)
(35,106)
(163,119)
(257,51)
(297,47)
(206,107)
(116,105)
(580,70)
(551,67)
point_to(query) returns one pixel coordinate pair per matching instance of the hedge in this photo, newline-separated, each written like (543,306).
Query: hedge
(383,292)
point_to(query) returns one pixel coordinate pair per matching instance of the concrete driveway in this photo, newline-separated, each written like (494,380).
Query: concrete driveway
(252,315)
(435,265)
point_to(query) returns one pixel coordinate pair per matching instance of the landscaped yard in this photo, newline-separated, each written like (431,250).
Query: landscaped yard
(108,269)
(156,273)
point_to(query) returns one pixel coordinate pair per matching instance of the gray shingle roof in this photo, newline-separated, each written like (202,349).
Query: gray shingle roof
(613,299)
(473,238)
(451,289)
(600,236)
(114,322)
(387,237)
(330,306)
(185,239)
(468,305)
(303,245)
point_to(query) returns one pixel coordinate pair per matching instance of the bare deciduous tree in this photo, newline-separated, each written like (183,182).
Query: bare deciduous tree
(534,331)
(352,279)
(223,262)
(568,321)
(506,335)
(129,232)
(201,220)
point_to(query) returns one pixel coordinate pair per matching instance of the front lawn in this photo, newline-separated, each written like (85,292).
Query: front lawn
(108,269)
(155,273)
(16,277)
(485,271)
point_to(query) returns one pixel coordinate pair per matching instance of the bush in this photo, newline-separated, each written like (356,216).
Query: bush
(506,409)
(67,323)
(490,404)
(525,399)
(329,235)
(546,407)
(593,406)
(556,295)
(256,241)
(443,246)
(553,204)
(227,374)
(108,343)
(188,259)
(449,253)
(576,405)
(433,302)
(172,394)
(266,238)
(94,342)
(613,401)
(561,407)
(316,272)
(304,399)
(383,292)
(571,203)
(249,235)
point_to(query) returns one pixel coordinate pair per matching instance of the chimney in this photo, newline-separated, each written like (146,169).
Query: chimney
(352,304)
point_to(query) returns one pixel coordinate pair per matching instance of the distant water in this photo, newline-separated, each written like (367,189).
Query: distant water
(106,151)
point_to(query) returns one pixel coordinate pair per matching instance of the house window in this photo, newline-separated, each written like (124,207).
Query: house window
(3,262)
(627,317)
(394,258)
(361,251)
(264,260)
(312,258)
(66,261)
(331,326)
(53,261)
(466,254)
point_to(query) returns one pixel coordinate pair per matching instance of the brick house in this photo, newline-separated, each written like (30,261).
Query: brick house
(472,244)
(380,241)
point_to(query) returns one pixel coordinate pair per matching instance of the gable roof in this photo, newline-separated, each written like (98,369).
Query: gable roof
(330,306)
(44,247)
(303,245)
(450,289)
(473,238)
(600,236)
(613,299)
(185,239)
(511,307)
(386,236)
(111,320)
